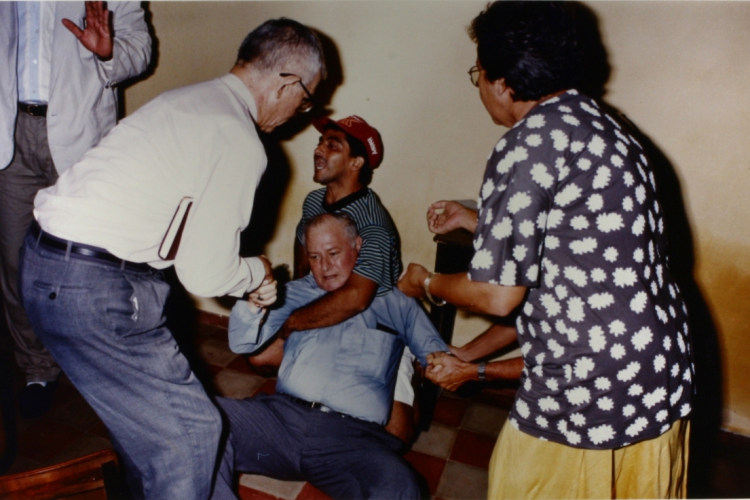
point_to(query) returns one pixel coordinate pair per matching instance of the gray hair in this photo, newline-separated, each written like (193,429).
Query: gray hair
(345,222)
(277,43)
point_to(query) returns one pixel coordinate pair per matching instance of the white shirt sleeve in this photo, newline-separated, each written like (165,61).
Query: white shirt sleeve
(208,262)
(244,328)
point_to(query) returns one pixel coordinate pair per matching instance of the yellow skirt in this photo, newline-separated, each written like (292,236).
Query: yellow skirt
(526,467)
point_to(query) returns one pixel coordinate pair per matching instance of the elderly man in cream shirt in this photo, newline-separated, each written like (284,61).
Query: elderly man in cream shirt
(173,184)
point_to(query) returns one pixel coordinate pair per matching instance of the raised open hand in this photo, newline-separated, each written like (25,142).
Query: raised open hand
(97,33)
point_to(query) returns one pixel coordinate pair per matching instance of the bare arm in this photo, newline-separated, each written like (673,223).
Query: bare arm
(491,340)
(332,308)
(459,290)
(450,372)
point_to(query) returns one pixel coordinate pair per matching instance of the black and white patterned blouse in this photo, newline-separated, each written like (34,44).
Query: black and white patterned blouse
(568,208)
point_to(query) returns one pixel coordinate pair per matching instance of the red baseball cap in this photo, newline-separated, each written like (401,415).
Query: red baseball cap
(360,130)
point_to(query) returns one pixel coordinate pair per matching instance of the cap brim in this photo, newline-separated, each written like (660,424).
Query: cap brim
(320,123)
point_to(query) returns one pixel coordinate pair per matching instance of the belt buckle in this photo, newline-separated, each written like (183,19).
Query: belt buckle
(33,109)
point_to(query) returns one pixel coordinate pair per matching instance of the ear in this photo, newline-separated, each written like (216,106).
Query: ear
(500,88)
(356,163)
(284,82)
(358,243)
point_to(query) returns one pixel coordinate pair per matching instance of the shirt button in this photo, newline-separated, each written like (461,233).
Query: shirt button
(53,296)
(34,61)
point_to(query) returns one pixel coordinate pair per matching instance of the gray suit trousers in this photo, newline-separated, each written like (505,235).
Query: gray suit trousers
(32,169)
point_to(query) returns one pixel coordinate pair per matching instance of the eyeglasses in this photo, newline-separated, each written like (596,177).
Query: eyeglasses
(474,73)
(307,102)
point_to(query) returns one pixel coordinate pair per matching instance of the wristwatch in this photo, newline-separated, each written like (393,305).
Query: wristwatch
(427,280)
(482,371)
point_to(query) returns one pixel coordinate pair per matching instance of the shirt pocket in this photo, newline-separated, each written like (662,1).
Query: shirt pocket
(370,351)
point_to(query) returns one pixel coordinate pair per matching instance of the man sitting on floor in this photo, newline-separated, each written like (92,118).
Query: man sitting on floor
(348,152)
(335,386)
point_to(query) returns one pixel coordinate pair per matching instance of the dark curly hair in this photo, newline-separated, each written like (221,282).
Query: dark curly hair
(533,45)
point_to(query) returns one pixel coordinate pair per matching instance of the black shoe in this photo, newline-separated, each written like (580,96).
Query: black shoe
(36,399)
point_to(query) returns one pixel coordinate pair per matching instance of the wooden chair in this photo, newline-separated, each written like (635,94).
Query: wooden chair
(94,476)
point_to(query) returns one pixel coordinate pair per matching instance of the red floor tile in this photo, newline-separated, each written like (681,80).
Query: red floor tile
(268,387)
(450,411)
(246,493)
(310,492)
(472,448)
(431,468)
(241,365)
(213,369)
(205,332)
(500,397)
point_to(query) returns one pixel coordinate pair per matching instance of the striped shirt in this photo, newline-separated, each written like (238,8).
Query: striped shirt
(380,256)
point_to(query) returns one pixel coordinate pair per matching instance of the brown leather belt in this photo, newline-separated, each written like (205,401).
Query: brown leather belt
(32,109)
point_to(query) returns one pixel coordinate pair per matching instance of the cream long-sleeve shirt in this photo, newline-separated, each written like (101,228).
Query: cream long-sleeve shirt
(199,142)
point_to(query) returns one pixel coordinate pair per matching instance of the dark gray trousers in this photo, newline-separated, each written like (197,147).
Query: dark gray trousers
(32,169)
(344,457)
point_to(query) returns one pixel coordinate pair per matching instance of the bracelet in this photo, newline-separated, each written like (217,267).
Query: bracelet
(482,371)
(427,280)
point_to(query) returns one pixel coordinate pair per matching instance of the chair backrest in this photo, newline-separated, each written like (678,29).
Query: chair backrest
(91,477)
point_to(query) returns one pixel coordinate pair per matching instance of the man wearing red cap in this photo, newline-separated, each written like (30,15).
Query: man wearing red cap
(347,153)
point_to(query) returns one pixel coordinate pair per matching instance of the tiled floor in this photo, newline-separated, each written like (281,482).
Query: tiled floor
(452,455)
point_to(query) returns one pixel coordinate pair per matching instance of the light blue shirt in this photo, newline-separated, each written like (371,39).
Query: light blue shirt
(35,28)
(350,367)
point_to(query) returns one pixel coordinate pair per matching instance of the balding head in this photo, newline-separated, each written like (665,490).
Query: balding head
(332,246)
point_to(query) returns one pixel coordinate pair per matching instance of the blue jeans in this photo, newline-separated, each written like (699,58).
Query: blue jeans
(344,457)
(105,327)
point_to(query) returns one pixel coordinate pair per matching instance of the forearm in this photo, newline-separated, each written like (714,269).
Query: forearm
(451,373)
(208,261)
(493,339)
(476,296)
(334,307)
(506,369)
(131,50)
(239,276)
(469,221)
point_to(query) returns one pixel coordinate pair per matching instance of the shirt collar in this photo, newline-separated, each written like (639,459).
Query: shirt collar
(242,93)
(346,200)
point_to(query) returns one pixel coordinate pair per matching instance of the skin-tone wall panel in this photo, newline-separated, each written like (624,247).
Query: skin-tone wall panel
(679,70)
